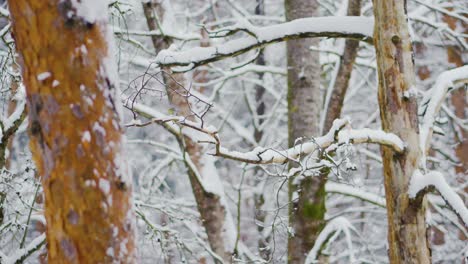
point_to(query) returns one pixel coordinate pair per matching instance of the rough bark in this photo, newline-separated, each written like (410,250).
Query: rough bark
(335,103)
(407,238)
(306,213)
(209,204)
(75,132)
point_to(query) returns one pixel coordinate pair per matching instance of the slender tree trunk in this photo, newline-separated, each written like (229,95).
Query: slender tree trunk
(259,199)
(307,197)
(335,103)
(212,210)
(76,138)
(407,238)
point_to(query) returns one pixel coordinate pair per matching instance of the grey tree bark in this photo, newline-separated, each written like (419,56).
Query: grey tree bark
(406,217)
(306,212)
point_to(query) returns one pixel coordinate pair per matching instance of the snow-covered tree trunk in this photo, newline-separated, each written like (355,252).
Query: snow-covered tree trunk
(398,110)
(307,197)
(212,209)
(76,138)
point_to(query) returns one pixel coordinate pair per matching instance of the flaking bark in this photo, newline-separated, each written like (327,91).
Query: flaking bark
(406,217)
(75,143)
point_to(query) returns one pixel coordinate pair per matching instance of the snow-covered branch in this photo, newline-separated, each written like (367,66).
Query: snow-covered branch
(348,190)
(260,155)
(333,228)
(333,27)
(420,181)
(336,134)
(21,254)
(433,101)
(183,37)
(366,135)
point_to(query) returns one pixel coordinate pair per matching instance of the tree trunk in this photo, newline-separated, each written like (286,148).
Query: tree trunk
(212,210)
(406,217)
(260,109)
(76,138)
(306,213)
(335,103)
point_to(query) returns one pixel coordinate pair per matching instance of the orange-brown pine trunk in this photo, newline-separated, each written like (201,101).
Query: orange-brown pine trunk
(76,138)
(406,217)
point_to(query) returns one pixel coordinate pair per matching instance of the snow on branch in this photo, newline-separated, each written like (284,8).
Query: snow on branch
(330,233)
(366,135)
(21,254)
(348,190)
(360,28)
(11,124)
(336,134)
(198,132)
(420,181)
(172,35)
(433,101)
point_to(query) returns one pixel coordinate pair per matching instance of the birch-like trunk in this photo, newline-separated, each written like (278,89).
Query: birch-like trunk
(76,138)
(407,231)
(307,197)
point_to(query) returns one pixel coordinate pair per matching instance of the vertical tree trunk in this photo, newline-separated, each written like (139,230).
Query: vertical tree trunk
(335,103)
(307,197)
(406,218)
(76,138)
(212,210)
(259,199)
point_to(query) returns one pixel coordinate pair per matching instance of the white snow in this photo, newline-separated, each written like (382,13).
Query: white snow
(346,189)
(98,128)
(91,10)
(55,83)
(86,137)
(313,25)
(20,253)
(371,135)
(333,228)
(263,155)
(434,99)
(43,76)
(104,185)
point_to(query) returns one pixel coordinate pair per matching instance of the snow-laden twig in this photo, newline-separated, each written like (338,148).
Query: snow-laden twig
(345,27)
(348,190)
(11,123)
(367,135)
(433,101)
(260,155)
(336,225)
(172,35)
(337,134)
(420,181)
(21,254)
